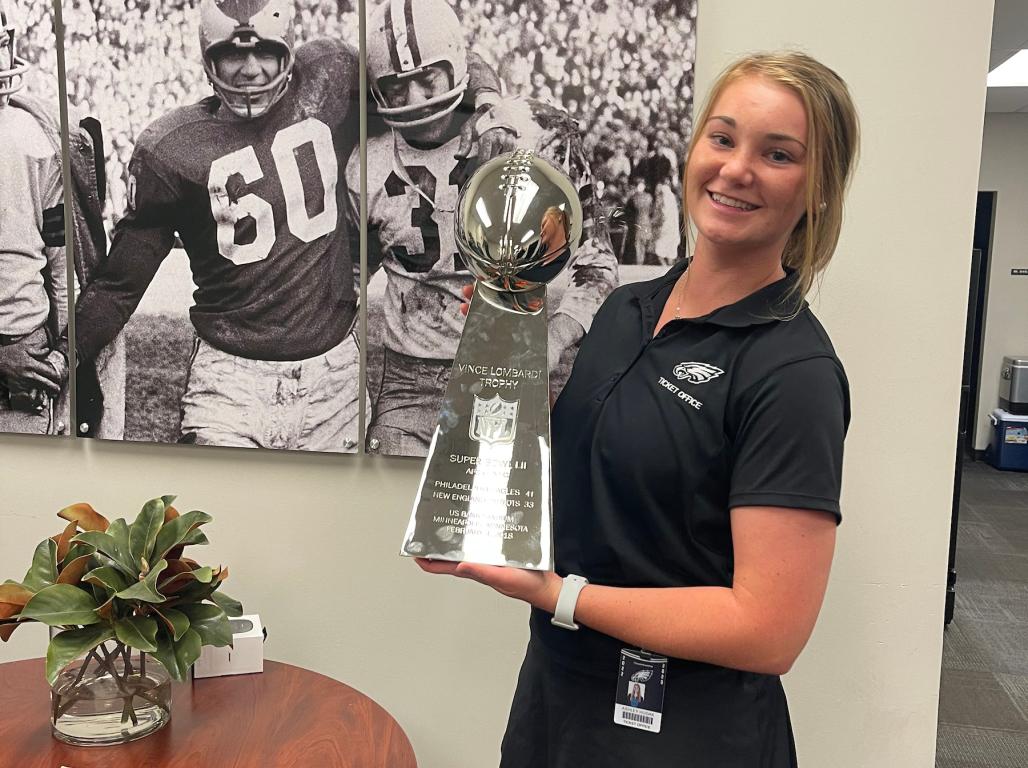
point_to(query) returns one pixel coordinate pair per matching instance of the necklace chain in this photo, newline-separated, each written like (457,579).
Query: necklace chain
(681,290)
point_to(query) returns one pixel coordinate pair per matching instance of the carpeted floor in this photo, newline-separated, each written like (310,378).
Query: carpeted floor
(983,706)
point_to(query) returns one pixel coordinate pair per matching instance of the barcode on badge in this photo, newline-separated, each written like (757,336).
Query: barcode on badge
(634,717)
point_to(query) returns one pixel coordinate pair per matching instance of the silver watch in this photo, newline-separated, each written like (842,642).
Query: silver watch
(564,613)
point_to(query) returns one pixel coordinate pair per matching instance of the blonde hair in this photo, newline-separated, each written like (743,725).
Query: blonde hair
(833,137)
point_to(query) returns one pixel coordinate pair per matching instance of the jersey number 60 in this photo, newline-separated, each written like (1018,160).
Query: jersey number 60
(244,162)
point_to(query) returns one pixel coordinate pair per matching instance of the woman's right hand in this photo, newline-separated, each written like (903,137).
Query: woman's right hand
(467,291)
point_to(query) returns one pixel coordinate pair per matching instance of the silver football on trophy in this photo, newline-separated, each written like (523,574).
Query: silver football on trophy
(518,222)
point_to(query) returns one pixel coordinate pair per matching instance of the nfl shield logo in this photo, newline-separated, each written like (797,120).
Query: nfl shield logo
(493,420)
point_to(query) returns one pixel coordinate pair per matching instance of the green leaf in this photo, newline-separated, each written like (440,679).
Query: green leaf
(173,532)
(229,605)
(194,538)
(143,532)
(139,632)
(204,575)
(77,550)
(145,590)
(110,562)
(107,577)
(69,645)
(120,533)
(193,592)
(175,621)
(61,604)
(43,570)
(179,576)
(210,623)
(107,545)
(178,656)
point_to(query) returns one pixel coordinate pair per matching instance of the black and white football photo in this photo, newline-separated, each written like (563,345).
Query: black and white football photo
(227,279)
(601,89)
(34,356)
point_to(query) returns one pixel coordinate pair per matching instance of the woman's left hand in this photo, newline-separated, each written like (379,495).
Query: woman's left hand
(538,588)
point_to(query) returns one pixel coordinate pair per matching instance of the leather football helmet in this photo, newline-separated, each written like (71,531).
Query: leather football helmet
(12,67)
(406,37)
(244,26)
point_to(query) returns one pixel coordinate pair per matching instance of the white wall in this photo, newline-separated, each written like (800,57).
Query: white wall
(312,539)
(1004,171)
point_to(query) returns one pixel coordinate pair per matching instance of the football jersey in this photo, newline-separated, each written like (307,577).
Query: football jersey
(259,206)
(30,182)
(412,197)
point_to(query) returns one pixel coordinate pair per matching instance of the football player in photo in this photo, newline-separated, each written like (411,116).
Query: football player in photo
(249,181)
(418,74)
(33,276)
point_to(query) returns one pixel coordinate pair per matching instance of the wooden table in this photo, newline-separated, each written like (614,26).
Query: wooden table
(283,717)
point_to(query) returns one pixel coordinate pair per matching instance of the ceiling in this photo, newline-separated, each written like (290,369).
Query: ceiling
(1009,35)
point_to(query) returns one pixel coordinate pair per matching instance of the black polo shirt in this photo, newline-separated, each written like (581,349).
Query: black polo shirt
(656,439)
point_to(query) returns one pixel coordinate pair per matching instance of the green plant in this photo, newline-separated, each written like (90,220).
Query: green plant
(105,581)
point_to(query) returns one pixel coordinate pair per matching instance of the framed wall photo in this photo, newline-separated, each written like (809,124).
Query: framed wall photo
(227,285)
(602,89)
(33,267)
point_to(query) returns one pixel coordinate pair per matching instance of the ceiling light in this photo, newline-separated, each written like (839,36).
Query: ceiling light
(1011,73)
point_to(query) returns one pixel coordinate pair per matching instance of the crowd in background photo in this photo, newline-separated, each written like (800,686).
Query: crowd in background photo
(624,70)
(35,43)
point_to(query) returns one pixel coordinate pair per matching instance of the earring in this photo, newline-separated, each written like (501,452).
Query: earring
(822,206)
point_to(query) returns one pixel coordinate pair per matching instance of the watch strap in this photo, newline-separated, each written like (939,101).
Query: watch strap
(564,613)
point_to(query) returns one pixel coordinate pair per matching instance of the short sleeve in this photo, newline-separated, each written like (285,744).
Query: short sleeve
(788,447)
(153,197)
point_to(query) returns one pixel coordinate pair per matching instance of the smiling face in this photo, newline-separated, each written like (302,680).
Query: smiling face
(248,74)
(248,68)
(746,177)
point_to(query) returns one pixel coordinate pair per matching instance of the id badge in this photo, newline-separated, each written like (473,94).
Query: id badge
(639,701)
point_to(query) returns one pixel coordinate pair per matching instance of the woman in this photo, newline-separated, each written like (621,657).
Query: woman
(698,447)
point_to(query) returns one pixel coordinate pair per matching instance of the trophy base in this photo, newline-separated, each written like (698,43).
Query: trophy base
(484,496)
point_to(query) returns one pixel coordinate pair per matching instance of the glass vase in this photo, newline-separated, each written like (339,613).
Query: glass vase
(110,696)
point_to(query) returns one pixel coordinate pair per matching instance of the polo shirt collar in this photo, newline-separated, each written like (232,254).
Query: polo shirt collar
(770,303)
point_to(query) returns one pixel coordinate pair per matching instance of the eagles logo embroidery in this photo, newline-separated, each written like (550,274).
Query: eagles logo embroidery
(697,373)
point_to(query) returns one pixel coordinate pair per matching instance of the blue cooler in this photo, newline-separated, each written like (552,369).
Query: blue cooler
(1008,448)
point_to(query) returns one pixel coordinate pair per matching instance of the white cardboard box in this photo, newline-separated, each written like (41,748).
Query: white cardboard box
(245,656)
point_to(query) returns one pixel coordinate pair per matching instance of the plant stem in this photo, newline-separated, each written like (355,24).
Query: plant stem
(127,654)
(128,712)
(106,663)
(63,703)
(72,695)
(84,667)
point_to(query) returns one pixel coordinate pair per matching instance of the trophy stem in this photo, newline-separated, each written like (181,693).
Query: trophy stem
(484,496)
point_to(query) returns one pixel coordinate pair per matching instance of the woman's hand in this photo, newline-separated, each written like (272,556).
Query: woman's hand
(467,291)
(538,588)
